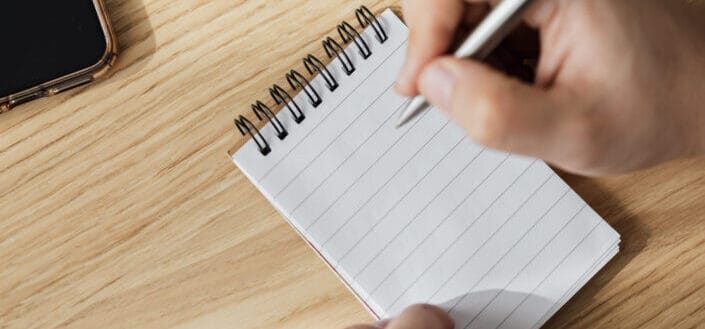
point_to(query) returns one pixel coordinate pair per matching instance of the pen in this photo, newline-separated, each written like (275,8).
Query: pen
(480,43)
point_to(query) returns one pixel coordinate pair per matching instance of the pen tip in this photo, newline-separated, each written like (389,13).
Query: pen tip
(411,110)
(405,115)
(401,122)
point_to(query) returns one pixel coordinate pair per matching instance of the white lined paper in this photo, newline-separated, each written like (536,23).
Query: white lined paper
(421,213)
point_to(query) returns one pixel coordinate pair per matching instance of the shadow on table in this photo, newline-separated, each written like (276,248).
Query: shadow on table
(474,313)
(634,235)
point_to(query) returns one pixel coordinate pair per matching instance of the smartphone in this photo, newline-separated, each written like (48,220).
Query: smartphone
(49,46)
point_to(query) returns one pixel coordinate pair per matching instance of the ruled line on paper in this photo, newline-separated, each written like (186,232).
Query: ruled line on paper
(402,215)
(386,182)
(454,241)
(327,115)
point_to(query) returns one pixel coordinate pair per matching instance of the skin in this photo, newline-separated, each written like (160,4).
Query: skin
(620,86)
(414,317)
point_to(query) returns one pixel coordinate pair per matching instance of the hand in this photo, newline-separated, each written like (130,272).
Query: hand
(414,317)
(620,85)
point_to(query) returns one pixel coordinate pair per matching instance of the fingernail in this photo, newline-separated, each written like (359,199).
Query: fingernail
(436,83)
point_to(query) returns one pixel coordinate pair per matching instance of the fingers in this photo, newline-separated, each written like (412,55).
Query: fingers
(432,29)
(432,26)
(536,15)
(495,110)
(422,316)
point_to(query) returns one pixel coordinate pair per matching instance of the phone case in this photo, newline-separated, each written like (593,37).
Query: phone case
(75,79)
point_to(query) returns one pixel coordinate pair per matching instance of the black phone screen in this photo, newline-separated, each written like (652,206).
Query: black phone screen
(42,40)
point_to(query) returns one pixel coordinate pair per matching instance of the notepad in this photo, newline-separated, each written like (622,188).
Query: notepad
(419,214)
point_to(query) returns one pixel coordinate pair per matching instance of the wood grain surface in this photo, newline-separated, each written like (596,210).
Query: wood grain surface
(119,207)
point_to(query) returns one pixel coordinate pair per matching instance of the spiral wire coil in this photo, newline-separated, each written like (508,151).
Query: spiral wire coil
(314,67)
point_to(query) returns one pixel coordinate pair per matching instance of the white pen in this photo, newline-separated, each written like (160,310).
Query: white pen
(480,43)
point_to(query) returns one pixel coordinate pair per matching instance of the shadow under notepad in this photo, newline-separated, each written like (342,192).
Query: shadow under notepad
(634,238)
(495,308)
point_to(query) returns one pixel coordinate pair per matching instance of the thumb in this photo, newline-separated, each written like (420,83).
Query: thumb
(494,109)
(422,316)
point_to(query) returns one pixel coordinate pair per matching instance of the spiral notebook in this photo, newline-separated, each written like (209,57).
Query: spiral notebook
(420,213)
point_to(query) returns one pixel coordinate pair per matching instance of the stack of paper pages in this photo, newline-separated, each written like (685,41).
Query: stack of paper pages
(421,213)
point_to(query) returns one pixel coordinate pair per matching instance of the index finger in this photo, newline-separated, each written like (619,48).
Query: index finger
(432,25)
(432,28)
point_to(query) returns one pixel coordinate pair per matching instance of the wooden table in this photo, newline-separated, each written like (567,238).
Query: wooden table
(120,209)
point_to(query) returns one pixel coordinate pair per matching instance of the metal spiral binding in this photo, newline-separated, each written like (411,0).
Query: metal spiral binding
(333,49)
(365,17)
(294,78)
(245,126)
(313,66)
(264,112)
(280,96)
(348,33)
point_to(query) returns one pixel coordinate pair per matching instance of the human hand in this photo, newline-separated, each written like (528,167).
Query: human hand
(619,84)
(419,316)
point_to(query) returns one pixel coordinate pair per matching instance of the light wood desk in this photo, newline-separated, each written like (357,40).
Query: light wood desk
(120,209)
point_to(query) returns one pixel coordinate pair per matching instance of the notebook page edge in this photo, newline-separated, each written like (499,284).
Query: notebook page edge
(308,242)
(580,284)
(348,285)
(613,231)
